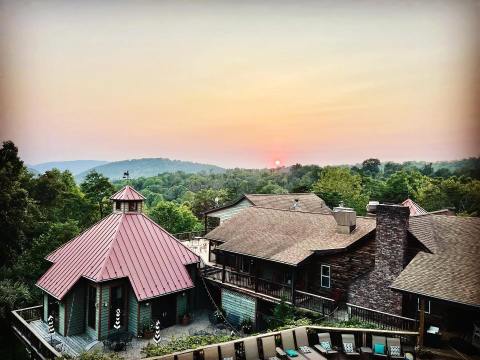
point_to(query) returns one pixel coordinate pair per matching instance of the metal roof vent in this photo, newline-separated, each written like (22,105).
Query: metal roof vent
(346,219)
(295,205)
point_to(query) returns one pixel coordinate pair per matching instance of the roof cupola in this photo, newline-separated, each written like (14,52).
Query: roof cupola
(127,200)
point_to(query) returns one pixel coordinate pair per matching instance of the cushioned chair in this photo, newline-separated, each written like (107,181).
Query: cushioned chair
(394,347)
(269,349)
(210,353)
(325,345)
(303,345)
(227,351)
(379,346)
(185,356)
(349,347)
(251,349)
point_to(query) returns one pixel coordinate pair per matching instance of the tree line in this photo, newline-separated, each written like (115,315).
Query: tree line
(38,213)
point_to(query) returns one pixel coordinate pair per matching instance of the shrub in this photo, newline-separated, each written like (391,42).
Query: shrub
(185,343)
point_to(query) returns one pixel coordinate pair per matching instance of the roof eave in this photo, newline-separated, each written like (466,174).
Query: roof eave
(432,296)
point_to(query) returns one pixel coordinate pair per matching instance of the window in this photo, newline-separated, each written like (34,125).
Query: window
(244,264)
(92,299)
(117,301)
(118,205)
(132,206)
(427,306)
(325,276)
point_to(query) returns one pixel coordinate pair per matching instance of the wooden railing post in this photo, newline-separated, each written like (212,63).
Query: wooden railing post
(223,272)
(421,325)
(293,286)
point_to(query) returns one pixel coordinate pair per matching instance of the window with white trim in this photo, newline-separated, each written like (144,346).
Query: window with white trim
(427,306)
(325,276)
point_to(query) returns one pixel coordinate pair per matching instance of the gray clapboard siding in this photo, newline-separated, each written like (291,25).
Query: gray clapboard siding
(93,333)
(227,213)
(45,307)
(238,307)
(132,312)
(75,305)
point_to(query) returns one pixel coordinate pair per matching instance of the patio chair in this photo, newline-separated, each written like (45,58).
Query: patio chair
(379,346)
(185,356)
(325,345)
(210,353)
(303,345)
(227,351)
(270,351)
(251,349)
(395,348)
(349,347)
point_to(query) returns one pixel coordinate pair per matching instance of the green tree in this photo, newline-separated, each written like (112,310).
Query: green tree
(174,218)
(390,168)
(98,189)
(272,188)
(14,202)
(205,200)
(404,184)
(339,184)
(371,167)
(13,295)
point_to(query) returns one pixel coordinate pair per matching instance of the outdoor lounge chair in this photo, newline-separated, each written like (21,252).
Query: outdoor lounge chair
(269,349)
(251,349)
(394,348)
(377,343)
(227,351)
(303,345)
(325,345)
(210,353)
(185,356)
(349,347)
(288,346)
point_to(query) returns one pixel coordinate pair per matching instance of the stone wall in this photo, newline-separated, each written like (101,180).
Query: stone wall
(372,290)
(344,268)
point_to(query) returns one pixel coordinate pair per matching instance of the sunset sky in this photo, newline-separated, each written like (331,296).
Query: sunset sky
(240,83)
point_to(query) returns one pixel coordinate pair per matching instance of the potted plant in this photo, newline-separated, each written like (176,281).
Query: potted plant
(185,319)
(148,330)
(218,316)
(247,326)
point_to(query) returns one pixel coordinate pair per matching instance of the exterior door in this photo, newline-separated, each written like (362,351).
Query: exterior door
(53,309)
(165,310)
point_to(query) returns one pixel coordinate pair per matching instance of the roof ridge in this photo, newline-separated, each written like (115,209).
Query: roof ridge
(112,244)
(308,193)
(289,210)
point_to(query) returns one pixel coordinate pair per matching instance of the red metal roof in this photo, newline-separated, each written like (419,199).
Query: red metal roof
(121,245)
(127,193)
(415,209)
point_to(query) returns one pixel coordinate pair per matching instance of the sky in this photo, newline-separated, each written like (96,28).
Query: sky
(240,83)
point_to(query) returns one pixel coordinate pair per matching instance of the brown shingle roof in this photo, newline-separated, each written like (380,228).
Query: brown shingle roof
(284,236)
(452,272)
(307,202)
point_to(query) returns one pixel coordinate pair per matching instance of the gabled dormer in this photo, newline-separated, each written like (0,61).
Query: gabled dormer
(127,200)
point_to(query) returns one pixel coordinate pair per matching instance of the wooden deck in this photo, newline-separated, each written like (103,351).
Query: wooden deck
(71,345)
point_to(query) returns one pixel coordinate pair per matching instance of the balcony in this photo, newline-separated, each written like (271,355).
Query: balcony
(22,326)
(274,292)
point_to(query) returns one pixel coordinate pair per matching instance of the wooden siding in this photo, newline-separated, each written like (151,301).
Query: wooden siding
(45,307)
(75,304)
(145,315)
(238,307)
(61,318)
(132,312)
(227,213)
(104,315)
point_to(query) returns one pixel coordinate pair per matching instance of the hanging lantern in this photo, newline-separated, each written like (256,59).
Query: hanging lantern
(117,319)
(157,337)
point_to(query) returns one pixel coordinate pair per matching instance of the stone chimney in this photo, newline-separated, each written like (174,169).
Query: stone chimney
(346,219)
(373,290)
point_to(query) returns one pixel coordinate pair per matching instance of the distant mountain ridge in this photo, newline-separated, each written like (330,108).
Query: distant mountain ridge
(75,166)
(148,167)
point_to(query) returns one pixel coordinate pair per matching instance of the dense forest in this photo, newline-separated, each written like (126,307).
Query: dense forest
(41,212)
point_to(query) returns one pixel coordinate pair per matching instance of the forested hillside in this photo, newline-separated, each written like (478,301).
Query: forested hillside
(148,167)
(40,213)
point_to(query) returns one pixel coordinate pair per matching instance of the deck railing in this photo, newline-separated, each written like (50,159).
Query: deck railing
(381,319)
(189,235)
(313,302)
(39,347)
(249,282)
(362,338)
